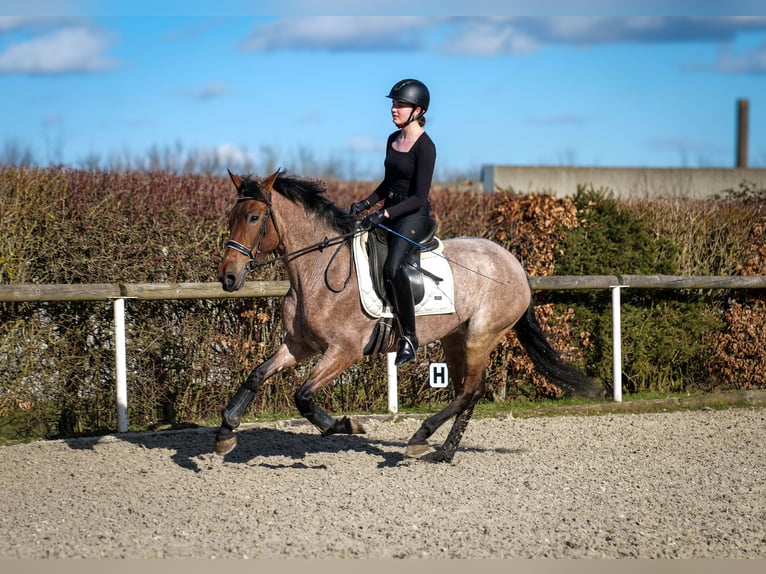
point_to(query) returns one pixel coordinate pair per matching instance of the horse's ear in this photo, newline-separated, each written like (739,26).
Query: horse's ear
(268,183)
(236,180)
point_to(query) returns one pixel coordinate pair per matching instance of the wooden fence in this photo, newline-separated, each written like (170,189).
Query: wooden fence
(119,293)
(175,291)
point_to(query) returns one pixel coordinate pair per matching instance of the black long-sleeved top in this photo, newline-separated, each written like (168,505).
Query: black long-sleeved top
(407,178)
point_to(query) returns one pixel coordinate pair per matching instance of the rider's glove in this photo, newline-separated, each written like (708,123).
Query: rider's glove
(373,220)
(359,207)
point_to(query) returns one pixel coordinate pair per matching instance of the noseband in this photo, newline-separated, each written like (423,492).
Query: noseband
(252,263)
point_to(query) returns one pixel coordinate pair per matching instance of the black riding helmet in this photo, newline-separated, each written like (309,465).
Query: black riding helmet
(413,92)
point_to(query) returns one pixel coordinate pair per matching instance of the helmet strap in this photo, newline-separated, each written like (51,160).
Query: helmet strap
(411,118)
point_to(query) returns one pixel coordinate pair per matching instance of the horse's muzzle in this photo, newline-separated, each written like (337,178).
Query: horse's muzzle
(231,281)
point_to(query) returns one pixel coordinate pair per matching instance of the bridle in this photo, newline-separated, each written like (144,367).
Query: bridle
(253,252)
(252,262)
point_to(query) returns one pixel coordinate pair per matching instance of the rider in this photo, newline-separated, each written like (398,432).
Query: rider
(409,167)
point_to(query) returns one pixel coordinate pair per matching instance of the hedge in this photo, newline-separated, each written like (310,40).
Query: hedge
(186,358)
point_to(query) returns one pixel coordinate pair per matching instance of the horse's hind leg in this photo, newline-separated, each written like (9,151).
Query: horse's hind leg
(467,373)
(447,451)
(462,406)
(453,353)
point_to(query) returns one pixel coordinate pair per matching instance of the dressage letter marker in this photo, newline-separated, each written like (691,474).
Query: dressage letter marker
(438,375)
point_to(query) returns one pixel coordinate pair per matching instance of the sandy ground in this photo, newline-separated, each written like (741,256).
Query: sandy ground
(681,484)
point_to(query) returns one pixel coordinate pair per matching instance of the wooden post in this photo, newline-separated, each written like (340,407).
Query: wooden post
(742,135)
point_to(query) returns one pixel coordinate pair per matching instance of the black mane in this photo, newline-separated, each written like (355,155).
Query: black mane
(310,194)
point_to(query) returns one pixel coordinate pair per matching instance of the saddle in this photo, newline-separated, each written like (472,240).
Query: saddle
(427,270)
(377,252)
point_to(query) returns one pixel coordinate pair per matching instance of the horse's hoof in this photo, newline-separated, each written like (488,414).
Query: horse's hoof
(437,455)
(225,446)
(225,441)
(345,425)
(418,450)
(355,427)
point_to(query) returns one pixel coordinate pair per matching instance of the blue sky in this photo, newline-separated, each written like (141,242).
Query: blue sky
(302,91)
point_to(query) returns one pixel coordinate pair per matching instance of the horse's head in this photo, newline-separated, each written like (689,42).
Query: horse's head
(252,230)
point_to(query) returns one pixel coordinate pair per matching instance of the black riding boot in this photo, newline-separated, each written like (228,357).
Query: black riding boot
(402,301)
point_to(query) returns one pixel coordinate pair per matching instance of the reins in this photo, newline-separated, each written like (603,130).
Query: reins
(424,248)
(339,240)
(320,246)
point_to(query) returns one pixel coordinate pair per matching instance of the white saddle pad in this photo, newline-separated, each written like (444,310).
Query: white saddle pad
(438,299)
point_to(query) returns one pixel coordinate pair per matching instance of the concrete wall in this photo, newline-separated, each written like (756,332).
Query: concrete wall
(624,182)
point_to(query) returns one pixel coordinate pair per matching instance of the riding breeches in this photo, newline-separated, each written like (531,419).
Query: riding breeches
(414,227)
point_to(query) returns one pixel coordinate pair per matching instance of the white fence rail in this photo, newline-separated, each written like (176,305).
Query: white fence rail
(119,293)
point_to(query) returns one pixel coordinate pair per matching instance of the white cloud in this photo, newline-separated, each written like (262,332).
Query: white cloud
(8,23)
(489,35)
(509,35)
(70,49)
(27,21)
(230,154)
(750,62)
(364,143)
(514,35)
(339,33)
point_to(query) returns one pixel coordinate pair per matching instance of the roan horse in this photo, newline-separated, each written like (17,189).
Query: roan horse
(322,312)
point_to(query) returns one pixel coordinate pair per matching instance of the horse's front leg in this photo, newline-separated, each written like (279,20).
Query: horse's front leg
(286,356)
(328,368)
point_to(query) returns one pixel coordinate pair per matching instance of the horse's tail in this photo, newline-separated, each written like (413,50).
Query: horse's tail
(549,361)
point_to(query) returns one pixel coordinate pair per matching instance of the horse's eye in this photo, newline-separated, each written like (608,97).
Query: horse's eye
(253,218)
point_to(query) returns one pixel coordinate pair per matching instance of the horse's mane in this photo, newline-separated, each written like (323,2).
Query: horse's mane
(310,194)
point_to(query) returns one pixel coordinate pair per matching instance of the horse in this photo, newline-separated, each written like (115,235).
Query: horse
(322,313)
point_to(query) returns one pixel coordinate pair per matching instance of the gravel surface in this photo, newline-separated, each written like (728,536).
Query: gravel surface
(672,485)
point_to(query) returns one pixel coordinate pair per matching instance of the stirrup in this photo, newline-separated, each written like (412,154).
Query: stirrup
(406,352)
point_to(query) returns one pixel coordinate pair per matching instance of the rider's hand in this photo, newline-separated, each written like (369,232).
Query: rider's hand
(359,207)
(373,220)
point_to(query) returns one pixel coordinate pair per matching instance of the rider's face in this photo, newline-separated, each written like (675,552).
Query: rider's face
(401,111)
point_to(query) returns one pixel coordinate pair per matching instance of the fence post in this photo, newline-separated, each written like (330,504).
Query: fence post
(617,343)
(393,383)
(120,365)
